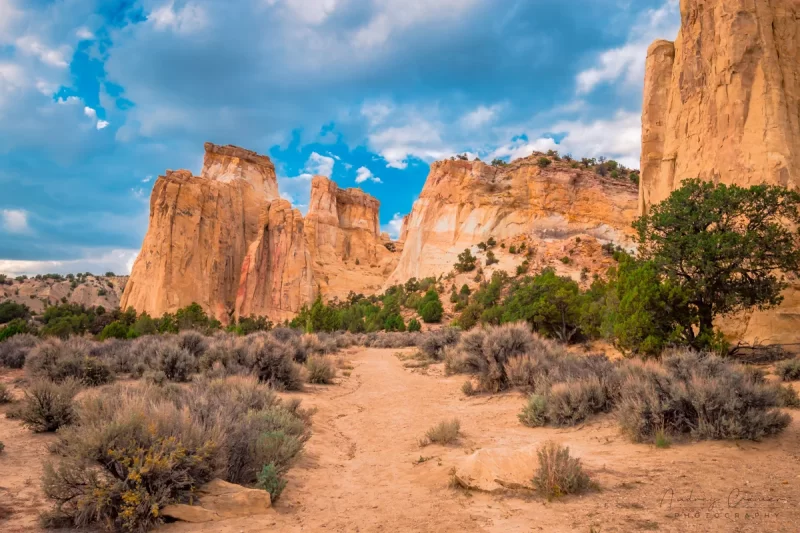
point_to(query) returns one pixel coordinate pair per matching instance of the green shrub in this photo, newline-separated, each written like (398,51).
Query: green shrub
(10,310)
(445,432)
(47,406)
(559,474)
(543,162)
(271,481)
(17,326)
(432,312)
(320,370)
(533,414)
(115,330)
(466,261)
(414,325)
(788,370)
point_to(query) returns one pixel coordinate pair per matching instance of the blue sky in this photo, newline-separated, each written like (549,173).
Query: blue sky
(97,98)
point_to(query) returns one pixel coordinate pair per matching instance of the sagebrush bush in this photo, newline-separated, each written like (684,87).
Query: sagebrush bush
(47,406)
(392,339)
(700,396)
(13,351)
(486,353)
(195,343)
(178,364)
(57,360)
(320,370)
(445,432)
(433,343)
(558,473)
(789,370)
(135,449)
(5,394)
(534,414)
(570,403)
(273,362)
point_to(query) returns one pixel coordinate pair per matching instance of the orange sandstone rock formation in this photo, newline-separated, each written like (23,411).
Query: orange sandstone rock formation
(466,202)
(226,240)
(722,103)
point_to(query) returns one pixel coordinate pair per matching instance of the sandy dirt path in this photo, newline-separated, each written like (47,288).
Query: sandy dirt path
(359,472)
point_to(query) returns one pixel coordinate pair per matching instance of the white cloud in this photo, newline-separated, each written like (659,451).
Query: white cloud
(84,34)
(363,174)
(147,179)
(92,114)
(98,261)
(392,16)
(297,190)
(480,117)
(399,133)
(15,220)
(311,12)
(12,80)
(628,61)
(320,165)
(30,45)
(188,19)
(618,138)
(394,226)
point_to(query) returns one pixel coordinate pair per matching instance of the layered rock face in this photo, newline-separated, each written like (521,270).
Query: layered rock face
(344,237)
(722,103)
(466,202)
(226,240)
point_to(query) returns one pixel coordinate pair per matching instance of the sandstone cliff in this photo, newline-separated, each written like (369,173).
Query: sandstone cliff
(466,202)
(226,240)
(722,103)
(344,237)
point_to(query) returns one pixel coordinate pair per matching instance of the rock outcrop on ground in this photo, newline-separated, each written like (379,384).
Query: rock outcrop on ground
(226,240)
(219,500)
(722,103)
(464,203)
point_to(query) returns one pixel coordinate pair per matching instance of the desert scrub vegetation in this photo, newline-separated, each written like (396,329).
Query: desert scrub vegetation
(687,395)
(134,449)
(47,406)
(788,370)
(5,394)
(558,473)
(445,432)
(697,396)
(321,370)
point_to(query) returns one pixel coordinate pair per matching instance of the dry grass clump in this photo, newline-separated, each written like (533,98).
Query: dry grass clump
(789,370)
(699,396)
(135,449)
(445,432)
(321,370)
(392,339)
(559,474)
(47,406)
(433,343)
(13,351)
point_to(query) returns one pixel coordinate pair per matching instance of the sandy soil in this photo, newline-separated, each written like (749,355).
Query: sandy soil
(360,471)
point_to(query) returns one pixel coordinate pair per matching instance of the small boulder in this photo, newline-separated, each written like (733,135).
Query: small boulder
(497,469)
(220,500)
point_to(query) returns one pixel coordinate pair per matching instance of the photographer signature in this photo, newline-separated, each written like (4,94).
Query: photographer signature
(736,499)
